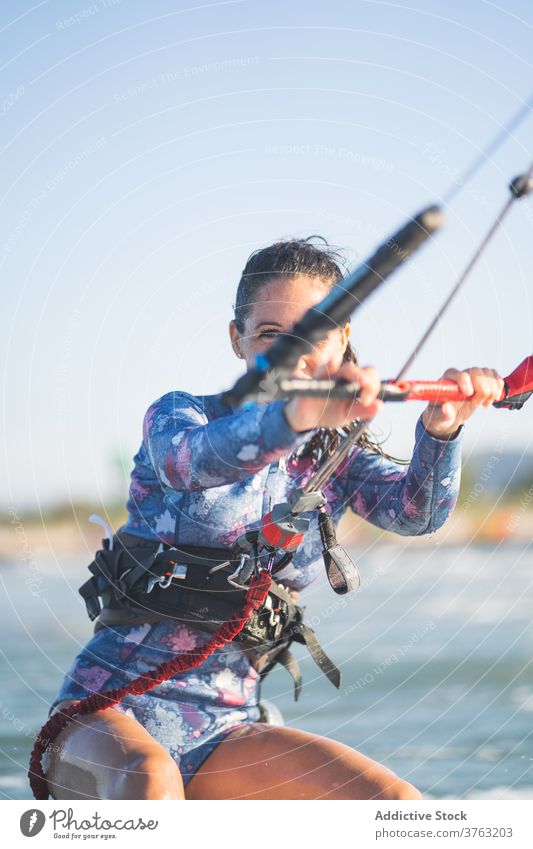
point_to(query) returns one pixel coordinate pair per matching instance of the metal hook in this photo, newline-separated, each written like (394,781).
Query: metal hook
(219,566)
(243,572)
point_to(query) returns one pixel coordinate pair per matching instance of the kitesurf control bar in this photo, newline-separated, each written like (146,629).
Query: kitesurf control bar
(518,388)
(335,309)
(520,187)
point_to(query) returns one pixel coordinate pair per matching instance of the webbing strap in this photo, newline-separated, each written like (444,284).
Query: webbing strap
(281,654)
(307,636)
(287,659)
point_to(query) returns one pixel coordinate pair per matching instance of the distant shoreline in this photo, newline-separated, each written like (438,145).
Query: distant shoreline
(25,537)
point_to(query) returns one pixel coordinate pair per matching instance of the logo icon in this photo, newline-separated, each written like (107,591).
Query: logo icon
(269,385)
(32,822)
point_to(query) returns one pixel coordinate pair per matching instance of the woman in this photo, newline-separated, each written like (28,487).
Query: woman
(204,475)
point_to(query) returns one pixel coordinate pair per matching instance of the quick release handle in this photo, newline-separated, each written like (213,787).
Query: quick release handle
(335,309)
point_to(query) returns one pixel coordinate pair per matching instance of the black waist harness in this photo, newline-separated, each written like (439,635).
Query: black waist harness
(142,581)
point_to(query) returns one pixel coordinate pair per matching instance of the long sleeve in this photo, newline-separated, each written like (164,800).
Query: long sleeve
(188,452)
(407,500)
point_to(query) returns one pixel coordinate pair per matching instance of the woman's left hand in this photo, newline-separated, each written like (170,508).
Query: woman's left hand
(482,385)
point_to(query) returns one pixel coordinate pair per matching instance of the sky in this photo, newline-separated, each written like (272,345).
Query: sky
(147,148)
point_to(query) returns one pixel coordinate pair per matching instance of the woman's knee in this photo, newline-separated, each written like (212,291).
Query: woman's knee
(153,776)
(409,791)
(109,755)
(152,779)
(399,790)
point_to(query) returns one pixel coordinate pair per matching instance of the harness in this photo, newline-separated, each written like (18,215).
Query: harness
(203,587)
(230,593)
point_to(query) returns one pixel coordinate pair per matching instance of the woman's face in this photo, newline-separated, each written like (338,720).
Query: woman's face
(279,305)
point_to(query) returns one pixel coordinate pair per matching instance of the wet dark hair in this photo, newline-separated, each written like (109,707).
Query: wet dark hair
(296,257)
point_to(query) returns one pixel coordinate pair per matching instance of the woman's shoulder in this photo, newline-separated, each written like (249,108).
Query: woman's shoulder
(177,398)
(178,404)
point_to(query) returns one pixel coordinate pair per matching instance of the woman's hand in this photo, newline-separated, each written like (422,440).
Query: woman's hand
(309,413)
(482,385)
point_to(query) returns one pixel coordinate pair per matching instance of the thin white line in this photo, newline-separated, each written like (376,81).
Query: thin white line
(136,26)
(14,21)
(29,47)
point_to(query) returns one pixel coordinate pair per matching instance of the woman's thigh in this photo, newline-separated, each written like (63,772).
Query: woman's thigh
(109,755)
(263,762)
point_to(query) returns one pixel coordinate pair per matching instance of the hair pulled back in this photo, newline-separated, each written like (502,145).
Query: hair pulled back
(283,259)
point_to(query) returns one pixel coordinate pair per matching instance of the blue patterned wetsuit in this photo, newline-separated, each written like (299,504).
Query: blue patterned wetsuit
(204,474)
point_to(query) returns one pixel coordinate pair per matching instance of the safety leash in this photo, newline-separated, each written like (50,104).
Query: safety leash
(255,598)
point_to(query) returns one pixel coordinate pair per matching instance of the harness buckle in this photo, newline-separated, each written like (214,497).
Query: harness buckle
(274,617)
(179,571)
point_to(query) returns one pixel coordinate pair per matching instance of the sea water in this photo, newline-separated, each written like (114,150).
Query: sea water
(435,650)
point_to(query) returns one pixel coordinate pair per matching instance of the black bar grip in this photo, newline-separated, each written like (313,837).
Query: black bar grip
(292,387)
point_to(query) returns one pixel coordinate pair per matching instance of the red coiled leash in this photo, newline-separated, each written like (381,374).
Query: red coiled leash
(255,597)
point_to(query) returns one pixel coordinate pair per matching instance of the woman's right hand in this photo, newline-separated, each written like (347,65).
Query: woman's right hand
(310,413)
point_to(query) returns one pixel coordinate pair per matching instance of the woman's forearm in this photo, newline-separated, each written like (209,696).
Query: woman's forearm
(411,500)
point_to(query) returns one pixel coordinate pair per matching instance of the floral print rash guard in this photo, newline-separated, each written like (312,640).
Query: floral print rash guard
(204,474)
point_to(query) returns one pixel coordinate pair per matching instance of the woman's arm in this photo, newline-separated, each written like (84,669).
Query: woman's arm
(189,453)
(419,499)
(409,500)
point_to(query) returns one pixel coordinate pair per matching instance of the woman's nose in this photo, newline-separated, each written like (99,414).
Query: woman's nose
(301,368)
(306,365)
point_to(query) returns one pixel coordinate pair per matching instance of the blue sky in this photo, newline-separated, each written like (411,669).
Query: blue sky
(149,147)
